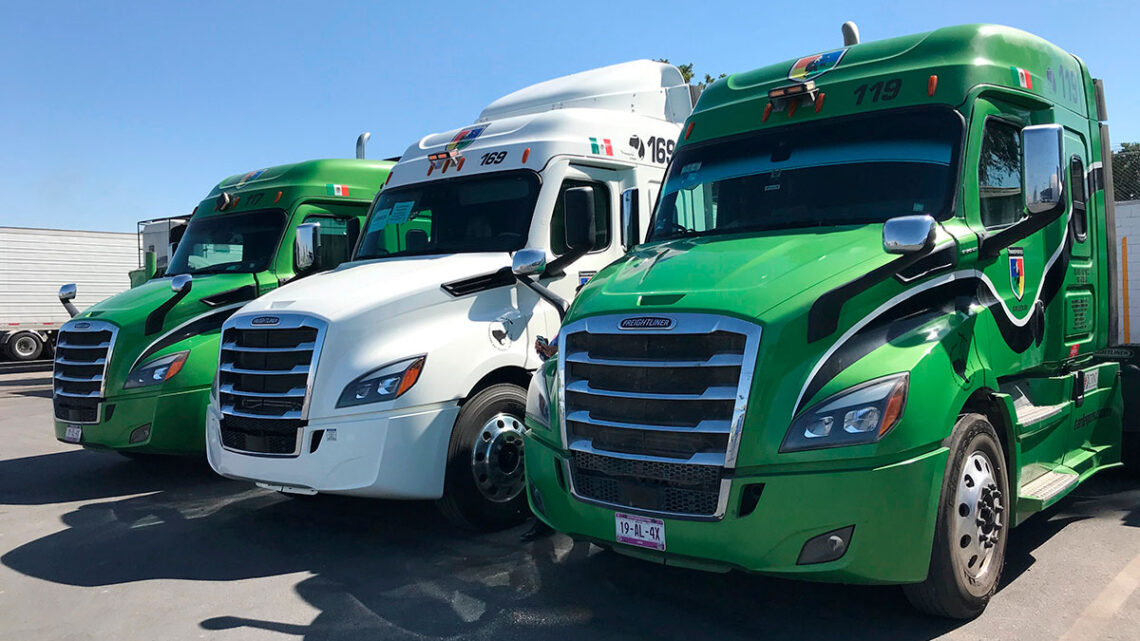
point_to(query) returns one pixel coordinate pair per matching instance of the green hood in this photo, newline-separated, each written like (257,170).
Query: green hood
(743,275)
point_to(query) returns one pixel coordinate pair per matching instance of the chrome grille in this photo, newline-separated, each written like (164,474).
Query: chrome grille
(82,351)
(264,381)
(653,415)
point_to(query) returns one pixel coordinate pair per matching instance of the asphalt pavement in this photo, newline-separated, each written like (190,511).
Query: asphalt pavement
(95,546)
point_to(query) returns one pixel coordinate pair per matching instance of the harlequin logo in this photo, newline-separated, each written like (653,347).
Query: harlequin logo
(810,67)
(646,322)
(464,138)
(250,176)
(265,320)
(1017,271)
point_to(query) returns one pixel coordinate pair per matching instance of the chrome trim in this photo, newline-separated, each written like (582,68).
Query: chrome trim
(717,360)
(303,347)
(297,369)
(228,388)
(287,416)
(104,360)
(685,323)
(707,459)
(72,379)
(704,427)
(710,394)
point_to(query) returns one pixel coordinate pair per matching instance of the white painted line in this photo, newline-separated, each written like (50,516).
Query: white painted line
(1104,607)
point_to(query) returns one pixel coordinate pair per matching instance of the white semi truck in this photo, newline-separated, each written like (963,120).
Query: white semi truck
(403,374)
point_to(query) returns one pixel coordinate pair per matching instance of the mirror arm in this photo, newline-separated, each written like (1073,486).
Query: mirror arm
(559,303)
(557,267)
(70,307)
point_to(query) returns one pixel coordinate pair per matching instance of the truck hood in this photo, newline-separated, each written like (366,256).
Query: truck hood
(381,288)
(745,275)
(131,308)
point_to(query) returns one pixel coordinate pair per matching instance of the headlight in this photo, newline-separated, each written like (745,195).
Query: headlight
(157,371)
(384,384)
(856,416)
(538,400)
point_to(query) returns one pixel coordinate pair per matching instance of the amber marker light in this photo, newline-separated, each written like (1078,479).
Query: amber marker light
(411,375)
(277,197)
(688,131)
(931,85)
(767,112)
(819,101)
(894,407)
(526,154)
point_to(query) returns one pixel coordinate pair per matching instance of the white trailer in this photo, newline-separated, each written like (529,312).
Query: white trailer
(1128,278)
(34,263)
(403,374)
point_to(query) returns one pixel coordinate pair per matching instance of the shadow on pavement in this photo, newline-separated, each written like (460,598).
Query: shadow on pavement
(396,570)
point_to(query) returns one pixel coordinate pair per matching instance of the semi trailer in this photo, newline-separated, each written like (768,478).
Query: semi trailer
(35,262)
(133,372)
(871,330)
(403,374)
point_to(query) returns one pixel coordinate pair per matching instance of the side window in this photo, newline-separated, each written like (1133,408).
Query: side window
(999,175)
(601,217)
(1080,207)
(338,237)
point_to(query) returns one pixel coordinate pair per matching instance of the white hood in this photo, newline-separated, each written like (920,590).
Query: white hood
(383,288)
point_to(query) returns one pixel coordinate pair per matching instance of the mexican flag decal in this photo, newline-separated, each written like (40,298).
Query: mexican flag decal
(1023,78)
(336,190)
(601,146)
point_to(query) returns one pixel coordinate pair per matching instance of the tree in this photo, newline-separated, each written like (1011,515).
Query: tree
(1126,172)
(687,73)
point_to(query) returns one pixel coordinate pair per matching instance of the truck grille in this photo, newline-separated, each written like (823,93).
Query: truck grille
(652,416)
(264,373)
(81,354)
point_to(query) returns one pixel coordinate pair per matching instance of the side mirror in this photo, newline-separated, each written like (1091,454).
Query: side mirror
(66,294)
(529,262)
(630,219)
(307,248)
(1042,150)
(181,283)
(909,234)
(578,205)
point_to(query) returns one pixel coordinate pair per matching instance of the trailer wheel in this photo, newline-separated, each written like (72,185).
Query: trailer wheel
(24,346)
(970,533)
(483,488)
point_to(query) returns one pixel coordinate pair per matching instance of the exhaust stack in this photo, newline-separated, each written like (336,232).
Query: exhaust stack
(850,33)
(361,141)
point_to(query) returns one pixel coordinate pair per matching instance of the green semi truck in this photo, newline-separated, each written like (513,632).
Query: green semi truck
(133,373)
(869,331)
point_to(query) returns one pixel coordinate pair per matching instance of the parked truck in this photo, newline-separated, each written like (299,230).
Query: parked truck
(866,335)
(35,262)
(133,372)
(403,374)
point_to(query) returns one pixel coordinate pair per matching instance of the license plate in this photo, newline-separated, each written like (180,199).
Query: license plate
(73,434)
(640,531)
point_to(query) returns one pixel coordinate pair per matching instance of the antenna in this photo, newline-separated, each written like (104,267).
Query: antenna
(850,33)
(361,141)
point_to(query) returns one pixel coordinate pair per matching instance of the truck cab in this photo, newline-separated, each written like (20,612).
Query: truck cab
(863,339)
(403,373)
(133,372)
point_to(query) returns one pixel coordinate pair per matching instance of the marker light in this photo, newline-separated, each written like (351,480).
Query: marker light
(767,112)
(526,154)
(446,164)
(277,198)
(790,96)
(819,101)
(865,412)
(459,163)
(389,178)
(931,85)
(688,130)
(431,167)
(792,108)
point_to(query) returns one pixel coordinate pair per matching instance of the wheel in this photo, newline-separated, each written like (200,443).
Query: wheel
(25,346)
(970,533)
(483,488)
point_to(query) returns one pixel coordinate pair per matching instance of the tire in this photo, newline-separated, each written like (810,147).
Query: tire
(965,569)
(24,346)
(484,484)
(1130,456)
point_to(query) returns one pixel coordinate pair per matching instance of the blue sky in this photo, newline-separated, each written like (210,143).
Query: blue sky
(112,112)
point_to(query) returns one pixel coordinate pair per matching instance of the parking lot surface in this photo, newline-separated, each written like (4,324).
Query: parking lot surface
(95,546)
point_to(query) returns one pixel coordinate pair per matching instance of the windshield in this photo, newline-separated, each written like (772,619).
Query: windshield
(854,171)
(228,243)
(489,213)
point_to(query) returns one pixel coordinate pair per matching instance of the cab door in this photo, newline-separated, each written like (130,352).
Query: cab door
(340,228)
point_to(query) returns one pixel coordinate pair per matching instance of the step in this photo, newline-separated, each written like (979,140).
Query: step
(1047,489)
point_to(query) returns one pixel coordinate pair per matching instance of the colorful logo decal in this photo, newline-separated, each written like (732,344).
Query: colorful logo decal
(464,138)
(1017,271)
(1021,77)
(336,190)
(250,176)
(810,67)
(601,146)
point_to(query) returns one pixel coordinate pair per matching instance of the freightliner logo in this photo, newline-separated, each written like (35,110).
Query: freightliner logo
(265,320)
(646,322)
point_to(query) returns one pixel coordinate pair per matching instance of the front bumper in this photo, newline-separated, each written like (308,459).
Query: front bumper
(175,421)
(892,508)
(398,454)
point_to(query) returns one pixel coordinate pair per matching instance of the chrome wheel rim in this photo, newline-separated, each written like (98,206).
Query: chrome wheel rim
(980,516)
(25,346)
(497,458)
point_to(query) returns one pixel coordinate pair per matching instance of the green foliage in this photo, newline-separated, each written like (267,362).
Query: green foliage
(688,74)
(1126,172)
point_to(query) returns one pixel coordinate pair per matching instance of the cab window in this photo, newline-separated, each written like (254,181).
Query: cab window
(338,236)
(1080,205)
(601,217)
(999,175)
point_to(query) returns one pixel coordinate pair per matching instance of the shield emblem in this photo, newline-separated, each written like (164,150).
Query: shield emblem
(1017,272)
(811,67)
(464,138)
